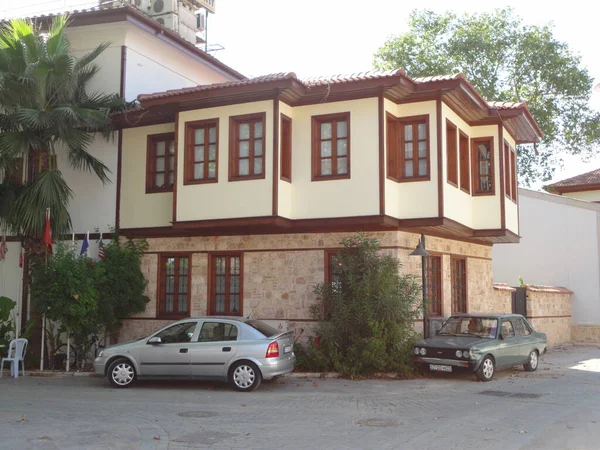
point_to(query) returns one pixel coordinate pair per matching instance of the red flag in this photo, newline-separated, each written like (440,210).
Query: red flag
(48,233)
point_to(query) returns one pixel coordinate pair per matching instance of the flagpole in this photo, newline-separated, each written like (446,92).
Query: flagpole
(44,313)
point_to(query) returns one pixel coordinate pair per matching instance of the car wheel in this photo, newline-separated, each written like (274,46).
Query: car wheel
(121,373)
(245,376)
(486,369)
(532,364)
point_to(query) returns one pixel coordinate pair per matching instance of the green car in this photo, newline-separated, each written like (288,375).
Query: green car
(481,343)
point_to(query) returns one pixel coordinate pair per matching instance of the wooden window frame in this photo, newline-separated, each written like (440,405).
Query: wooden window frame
(15,173)
(475,167)
(452,156)
(454,286)
(438,288)
(160,288)
(514,174)
(392,147)
(506,161)
(234,124)
(151,141)
(286,148)
(190,143)
(316,122)
(464,159)
(211,306)
(414,121)
(43,160)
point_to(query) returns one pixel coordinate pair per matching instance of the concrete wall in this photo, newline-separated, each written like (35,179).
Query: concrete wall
(559,247)
(590,196)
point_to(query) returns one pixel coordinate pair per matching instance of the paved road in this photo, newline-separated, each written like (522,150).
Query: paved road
(558,407)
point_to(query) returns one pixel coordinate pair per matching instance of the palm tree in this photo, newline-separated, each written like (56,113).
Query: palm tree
(45,109)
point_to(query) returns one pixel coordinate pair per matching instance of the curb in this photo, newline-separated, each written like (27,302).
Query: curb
(49,374)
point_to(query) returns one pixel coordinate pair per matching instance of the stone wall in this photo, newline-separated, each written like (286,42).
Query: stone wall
(549,311)
(280,273)
(585,334)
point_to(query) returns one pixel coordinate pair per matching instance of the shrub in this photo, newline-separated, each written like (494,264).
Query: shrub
(365,314)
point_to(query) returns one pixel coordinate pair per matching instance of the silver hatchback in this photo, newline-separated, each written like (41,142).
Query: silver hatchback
(241,351)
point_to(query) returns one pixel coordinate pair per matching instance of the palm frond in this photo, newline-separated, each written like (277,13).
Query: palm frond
(91,56)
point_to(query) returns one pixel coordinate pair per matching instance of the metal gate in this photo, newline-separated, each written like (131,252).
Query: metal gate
(519,301)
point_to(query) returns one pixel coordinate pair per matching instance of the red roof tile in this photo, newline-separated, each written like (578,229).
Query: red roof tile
(577,183)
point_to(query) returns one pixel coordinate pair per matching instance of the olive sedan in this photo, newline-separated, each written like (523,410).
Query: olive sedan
(481,343)
(241,351)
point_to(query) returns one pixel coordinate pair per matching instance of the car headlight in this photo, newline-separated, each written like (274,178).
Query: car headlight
(458,353)
(466,353)
(423,351)
(416,350)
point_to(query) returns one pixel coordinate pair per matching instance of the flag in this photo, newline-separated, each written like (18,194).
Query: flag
(85,245)
(101,249)
(3,249)
(48,232)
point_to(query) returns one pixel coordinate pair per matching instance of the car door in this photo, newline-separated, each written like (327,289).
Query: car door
(215,346)
(170,357)
(508,348)
(523,337)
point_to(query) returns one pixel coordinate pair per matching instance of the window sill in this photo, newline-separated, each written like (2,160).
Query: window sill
(452,183)
(215,314)
(170,316)
(288,179)
(413,179)
(466,191)
(246,177)
(483,194)
(158,191)
(206,181)
(330,177)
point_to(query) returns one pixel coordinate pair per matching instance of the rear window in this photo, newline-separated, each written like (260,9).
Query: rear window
(263,328)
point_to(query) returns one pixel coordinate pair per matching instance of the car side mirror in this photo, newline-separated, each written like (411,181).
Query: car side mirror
(155,340)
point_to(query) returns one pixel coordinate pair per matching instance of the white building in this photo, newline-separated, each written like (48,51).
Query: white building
(143,57)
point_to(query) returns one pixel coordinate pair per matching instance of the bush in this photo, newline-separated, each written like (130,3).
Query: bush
(365,315)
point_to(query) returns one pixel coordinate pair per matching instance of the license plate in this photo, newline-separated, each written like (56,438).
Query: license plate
(287,349)
(440,368)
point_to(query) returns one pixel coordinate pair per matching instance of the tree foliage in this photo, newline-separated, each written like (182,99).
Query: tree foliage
(46,108)
(86,296)
(365,315)
(507,60)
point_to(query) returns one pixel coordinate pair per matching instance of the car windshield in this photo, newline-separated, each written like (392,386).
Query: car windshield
(263,328)
(483,327)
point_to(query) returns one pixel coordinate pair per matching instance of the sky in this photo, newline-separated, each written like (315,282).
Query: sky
(334,36)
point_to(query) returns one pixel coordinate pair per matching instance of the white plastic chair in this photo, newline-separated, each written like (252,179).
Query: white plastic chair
(16,353)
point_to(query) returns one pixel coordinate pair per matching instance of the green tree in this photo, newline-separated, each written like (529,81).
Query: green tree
(507,60)
(365,315)
(45,109)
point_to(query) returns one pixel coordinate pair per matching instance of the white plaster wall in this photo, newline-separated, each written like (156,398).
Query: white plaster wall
(11,276)
(559,247)
(226,199)
(139,209)
(588,196)
(285,193)
(510,207)
(155,66)
(356,196)
(416,199)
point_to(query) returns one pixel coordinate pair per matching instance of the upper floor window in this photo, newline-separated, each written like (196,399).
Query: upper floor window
(247,147)
(226,292)
(331,146)
(38,162)
(286,148)
(465,163)
(510,169)
(451,153)
(483,166)
(408,148)
(160,164)
(174,285)
(201,151)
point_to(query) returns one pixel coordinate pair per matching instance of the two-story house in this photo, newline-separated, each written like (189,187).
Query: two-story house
(244,189)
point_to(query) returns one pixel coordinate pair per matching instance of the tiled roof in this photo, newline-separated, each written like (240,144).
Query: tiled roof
(207,87)
(454,76)
(346,78)
(585,179)
(506,105)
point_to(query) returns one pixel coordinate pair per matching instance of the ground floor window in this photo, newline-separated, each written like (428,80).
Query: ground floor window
(459,285)
(226,285)
(174,286)
(433,268)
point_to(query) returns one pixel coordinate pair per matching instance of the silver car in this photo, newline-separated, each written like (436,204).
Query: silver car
(241,351)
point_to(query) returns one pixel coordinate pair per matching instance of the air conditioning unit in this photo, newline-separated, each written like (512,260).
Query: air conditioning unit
(159,7)
(169,20)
